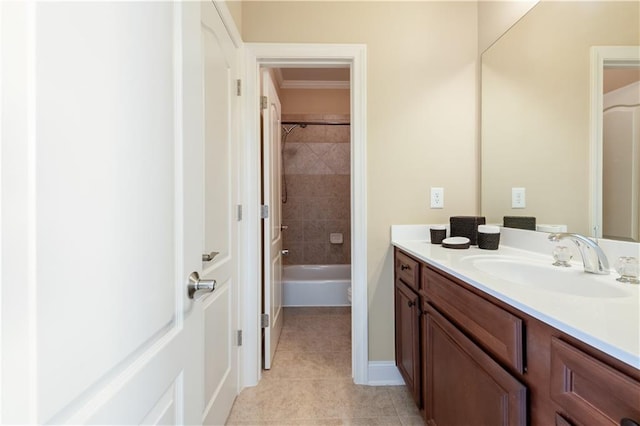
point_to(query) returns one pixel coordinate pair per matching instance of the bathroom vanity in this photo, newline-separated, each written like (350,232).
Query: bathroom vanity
(475,348)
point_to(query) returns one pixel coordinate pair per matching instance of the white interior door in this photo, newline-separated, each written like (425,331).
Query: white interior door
(272,233)
(221,225)
(101,212)
(621,163)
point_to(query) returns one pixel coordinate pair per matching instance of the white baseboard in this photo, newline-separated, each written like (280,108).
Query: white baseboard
(384,373)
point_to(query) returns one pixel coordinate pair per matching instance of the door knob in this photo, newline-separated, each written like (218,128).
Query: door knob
(284,252)
(196,285)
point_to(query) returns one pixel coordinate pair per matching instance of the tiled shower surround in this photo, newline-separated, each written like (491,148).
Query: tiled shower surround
(317,171)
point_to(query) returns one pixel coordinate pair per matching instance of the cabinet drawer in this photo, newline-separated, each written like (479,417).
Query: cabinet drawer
(590,391)
(408,270)
(493,328)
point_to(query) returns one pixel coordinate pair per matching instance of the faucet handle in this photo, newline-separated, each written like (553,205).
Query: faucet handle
(627,267)
(593,258)
(562,255)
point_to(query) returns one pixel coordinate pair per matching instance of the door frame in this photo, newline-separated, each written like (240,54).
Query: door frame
(602,56)
(258,55)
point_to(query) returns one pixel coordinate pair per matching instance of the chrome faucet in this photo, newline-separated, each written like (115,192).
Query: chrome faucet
(593,257)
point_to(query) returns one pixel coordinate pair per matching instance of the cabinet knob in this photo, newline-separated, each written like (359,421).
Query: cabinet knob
(628,422)
(411,303)
(404,267)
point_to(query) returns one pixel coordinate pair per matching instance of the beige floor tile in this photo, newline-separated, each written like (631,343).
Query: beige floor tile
(292,340)
(412,420)
(303,365)
(403,401)
(341,343)
(310,380)
(375,421)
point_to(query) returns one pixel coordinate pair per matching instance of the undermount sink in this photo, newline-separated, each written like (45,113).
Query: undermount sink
(546,277)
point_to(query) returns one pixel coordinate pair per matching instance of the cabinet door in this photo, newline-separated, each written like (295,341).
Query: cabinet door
(590,391)
(407,338)
(463,384)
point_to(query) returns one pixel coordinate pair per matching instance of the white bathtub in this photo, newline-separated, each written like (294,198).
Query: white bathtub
(316,285)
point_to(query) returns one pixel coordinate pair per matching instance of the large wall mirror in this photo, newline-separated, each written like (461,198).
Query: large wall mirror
(537,128)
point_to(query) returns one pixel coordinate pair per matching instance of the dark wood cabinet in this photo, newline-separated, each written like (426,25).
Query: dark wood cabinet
(496,330)
(471,359)
(407,329)
(407,270)
(590,391)
(464,385)
(561,421)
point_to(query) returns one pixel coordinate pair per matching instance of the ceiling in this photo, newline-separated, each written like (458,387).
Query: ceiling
(339,78)
(615,78)
(313,78)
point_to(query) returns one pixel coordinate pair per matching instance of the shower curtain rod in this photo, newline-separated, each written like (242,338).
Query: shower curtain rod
(318,123)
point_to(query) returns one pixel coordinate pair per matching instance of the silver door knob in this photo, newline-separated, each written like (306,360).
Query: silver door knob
(198,285)
(284,252)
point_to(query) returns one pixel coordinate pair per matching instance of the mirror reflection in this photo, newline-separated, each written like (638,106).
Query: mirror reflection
(621,153)
(536,121)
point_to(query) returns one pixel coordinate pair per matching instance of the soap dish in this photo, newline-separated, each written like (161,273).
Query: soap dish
(456,243)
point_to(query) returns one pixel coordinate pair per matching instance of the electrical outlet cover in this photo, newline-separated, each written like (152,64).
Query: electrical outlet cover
(437,198)
(518,198)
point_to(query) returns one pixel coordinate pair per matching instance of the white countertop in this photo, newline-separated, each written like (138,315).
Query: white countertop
(611,325)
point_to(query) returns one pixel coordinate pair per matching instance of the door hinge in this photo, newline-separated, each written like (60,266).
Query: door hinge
(264,320)
(238,87)
(264,102)
(239,338)
(264,212)
(239,215)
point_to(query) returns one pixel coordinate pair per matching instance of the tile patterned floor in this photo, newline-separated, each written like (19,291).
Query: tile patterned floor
(310,380)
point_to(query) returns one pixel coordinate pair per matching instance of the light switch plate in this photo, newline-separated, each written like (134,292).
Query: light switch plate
(518,198)
(437,198)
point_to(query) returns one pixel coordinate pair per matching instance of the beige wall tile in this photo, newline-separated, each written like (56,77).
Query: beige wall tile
(318,187)
(293,209)
(294,233)
(339,134)
(296,254)
(315,253)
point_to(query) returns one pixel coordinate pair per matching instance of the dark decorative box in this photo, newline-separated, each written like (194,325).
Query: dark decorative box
(520,222)
(466,226)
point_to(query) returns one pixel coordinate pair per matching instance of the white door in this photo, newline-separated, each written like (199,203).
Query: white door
(621,163)
(272,233)
(221,226)
(101,212)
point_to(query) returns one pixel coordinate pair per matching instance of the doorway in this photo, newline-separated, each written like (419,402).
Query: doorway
(296,55)
(604,188)
(306,187)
